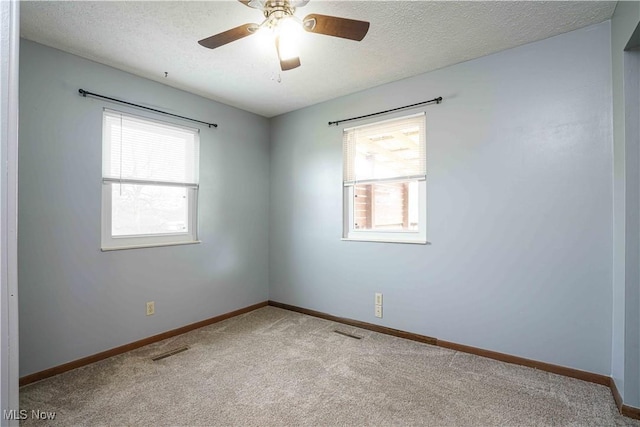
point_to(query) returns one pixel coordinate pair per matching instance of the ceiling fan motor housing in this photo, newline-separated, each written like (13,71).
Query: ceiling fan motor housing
(278,9)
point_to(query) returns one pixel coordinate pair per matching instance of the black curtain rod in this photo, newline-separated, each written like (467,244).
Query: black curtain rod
(437,100)
(85,93)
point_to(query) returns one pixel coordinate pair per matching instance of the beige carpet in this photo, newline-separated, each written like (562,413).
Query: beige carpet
(272,367)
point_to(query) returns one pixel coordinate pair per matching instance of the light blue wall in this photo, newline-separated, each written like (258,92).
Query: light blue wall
(626,327)
(76,300)
(520,194)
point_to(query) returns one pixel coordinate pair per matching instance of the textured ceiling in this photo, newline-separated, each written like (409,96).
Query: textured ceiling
(406,38)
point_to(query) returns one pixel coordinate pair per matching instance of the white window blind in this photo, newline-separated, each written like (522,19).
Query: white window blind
(137,149)
(389,150)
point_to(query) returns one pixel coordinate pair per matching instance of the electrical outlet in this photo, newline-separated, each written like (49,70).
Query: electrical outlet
(378,298)
(378,311)
(151,308)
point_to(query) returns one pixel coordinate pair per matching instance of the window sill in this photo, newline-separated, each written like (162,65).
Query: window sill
(411,242)
(151,245)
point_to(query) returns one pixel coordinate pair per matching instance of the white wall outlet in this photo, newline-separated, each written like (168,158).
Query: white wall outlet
(378,311)
(378,298)
(151,308)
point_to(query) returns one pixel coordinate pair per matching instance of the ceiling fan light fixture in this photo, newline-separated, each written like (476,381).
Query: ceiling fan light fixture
(288,34)
(287,54)
(264,37)
(286,50)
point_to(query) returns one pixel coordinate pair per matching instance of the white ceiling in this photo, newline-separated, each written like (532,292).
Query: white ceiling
(406,38)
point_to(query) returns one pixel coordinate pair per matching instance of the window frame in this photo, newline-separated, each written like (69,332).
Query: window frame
(110,242)
(350,233)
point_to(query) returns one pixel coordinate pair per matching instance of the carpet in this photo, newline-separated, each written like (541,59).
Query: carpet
(273,367)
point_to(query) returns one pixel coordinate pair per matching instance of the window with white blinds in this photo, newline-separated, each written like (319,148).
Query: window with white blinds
(384,181)
(150,182)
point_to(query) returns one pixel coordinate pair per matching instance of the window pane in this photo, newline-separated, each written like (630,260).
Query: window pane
(391,206)
(149,209)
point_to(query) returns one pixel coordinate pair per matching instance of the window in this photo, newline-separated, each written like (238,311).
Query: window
(385,181)
(149,182)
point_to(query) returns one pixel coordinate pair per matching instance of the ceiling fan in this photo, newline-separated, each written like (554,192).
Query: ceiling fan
(283,24)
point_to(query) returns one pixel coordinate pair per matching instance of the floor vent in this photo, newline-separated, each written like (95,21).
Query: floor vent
(346,334)
(170,353)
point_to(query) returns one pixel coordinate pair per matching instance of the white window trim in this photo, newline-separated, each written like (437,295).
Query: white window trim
(350,233)
(113,243)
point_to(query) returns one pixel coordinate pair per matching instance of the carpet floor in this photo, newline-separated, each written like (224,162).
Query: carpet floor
(273,367)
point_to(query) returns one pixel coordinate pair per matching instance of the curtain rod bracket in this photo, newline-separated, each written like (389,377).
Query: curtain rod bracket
(84,93)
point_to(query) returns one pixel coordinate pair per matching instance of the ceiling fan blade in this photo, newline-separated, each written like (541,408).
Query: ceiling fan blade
(246,3)
(229,36)
(336,27)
